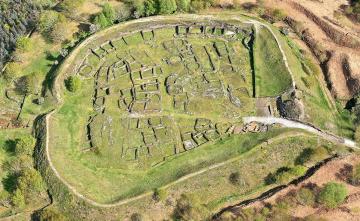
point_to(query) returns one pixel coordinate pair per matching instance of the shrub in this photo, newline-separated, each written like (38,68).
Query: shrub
(159,195)
(24,44)
(50,214)
(332,195)
(189,208)
(285,174)
(25,145)
(183,5)
(53,26)
(59,32)
(109,12)
(278,14)
(101,21)
(166,6)
(69,6)
(29,84)
(136,217)
(18,199)
(355,175)
(236,179)
(305,197)
(311,154)
(73,83)
(149,7)
(12,71)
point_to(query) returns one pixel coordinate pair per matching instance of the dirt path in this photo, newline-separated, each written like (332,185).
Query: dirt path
(303,126)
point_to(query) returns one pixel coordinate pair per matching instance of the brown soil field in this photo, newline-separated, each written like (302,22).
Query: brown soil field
(338,78)
(348,211)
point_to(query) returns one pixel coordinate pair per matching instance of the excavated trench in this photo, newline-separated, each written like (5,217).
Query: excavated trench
(310,172)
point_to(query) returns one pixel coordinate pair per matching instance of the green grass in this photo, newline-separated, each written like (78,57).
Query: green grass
(271,75)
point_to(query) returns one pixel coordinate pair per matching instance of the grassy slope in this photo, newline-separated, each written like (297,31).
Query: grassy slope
(271,75)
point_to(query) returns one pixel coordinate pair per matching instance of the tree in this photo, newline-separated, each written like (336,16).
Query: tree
(24,44)
(159,195)
(166,6)
(50,214)
(30,183)
(18,199)
(136,217)
(101,21)
(109,12)
(235,179)
(12,71)
(149,7)
(25,145)
(332,195)
(29,84)
(70,6)
(59,32)
(73,83)
(355,176)
(183,5)
(138,8)
(189,208)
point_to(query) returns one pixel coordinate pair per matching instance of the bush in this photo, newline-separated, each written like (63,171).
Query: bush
(166,6)
(149,7)
(188,208)
(285,174)
(183,5)
(24,44)
(332,195)
(12,71)
(49,214)
(305,197)
(18,199)
(136,217)
(29,84)
(70,6)
(73,83)
(25,145)
(236,179)
(159,195)
(59,32)
(53,26)
(355,175)
(109,12)
(311,154)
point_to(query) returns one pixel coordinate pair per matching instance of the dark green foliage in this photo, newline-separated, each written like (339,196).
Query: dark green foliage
(150,7)
(311,154)
(17,18)
(332,195)
(49,214)
(25,145)
(29,84)
(73,83)
(284,174)
(106,17)
(166,6)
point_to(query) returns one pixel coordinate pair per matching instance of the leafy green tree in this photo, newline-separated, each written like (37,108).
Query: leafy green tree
(101,21)
(50,214)
(183,5)
(70,6)
(73,83)
(59,32)
(138,8)
(166,6)
(332,195)
(24,44)
(29,84)
(109,12)
(149,7)
(30,183)
(25,145)
(18,199)
(12,71)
